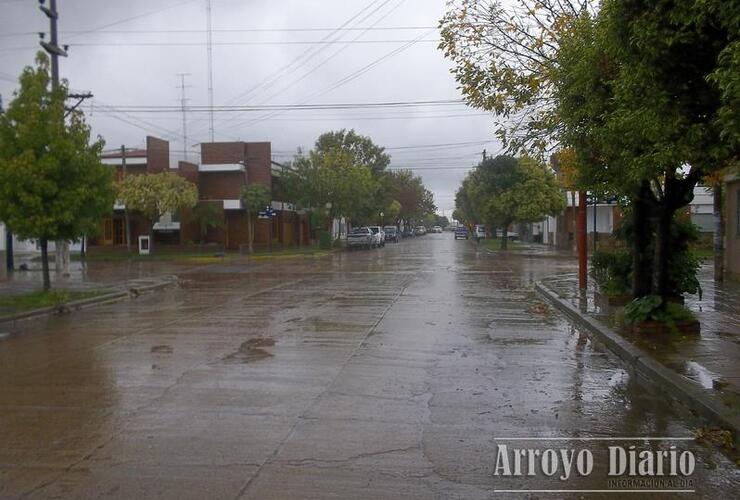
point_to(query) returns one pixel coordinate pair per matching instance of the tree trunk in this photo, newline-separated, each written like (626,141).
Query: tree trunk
(662,253)
(642,260)
(505,236)
(250,232)
(9,258)
(151,237)
(45,263)
(719,235)
(58,258)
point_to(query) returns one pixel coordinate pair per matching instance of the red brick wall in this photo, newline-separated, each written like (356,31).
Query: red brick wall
(188,170)
(158,155)
(220,185)
(259,167)
(214,153)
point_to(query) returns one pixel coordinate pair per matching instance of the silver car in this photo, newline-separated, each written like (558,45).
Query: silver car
(361,237)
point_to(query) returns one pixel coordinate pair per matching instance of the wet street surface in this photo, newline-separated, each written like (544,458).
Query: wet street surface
(389,373)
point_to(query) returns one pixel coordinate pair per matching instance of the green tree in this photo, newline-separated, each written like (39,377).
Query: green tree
(409,190)
(392,211)
(255,197)
(362,149)
(503,56)
(643,96)
(504,190)
(332,184)
(154,195)
(52,183)
(207,215)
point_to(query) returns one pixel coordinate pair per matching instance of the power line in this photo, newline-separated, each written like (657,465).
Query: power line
(339,82)
(225,30)
(345,45)
(132,18)
(307,54)
(293,107)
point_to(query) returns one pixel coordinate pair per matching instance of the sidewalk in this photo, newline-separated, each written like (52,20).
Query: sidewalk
(88,276)
(710,359)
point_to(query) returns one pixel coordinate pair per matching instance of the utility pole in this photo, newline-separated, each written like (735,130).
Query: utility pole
(183,101)
(484,155)
(61,262)
(9,264)
(125,208)
(209,47)
(581,240)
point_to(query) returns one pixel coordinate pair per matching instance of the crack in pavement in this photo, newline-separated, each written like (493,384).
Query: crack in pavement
(291,432)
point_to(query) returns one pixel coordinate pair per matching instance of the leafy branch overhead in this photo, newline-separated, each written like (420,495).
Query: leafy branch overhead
(157,194)
(503,57)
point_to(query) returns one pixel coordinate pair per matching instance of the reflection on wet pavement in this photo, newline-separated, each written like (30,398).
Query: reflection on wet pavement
(710,359)
(390,373)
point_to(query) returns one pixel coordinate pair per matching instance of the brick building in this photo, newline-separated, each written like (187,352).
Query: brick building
(224,170)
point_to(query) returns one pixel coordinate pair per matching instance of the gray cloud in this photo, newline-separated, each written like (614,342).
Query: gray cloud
(112,59)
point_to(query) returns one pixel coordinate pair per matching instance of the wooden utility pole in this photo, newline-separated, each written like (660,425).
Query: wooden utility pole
(581,239)
(125,208)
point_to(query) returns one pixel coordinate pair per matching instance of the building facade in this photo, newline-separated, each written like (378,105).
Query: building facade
(224,170)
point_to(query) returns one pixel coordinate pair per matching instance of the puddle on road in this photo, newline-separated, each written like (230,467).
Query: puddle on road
(251,350)
(706,379)
(619,379)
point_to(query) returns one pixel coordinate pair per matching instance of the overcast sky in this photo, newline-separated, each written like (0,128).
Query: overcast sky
(130,53)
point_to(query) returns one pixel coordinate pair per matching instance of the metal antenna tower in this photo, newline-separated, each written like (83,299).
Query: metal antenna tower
(183,102)
(209,45)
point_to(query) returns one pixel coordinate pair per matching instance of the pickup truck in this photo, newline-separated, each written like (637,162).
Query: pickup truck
(360,237)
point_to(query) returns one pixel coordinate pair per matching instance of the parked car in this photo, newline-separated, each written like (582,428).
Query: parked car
(479,232)
(420,231)
(379,235)
(407,232)
(360,237)
(437,229)
(461,232)
(391,233)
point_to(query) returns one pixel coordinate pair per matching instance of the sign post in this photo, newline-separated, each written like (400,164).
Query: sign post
(268,213)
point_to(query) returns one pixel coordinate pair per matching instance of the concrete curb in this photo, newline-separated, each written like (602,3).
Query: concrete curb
(75,305)
(647,369)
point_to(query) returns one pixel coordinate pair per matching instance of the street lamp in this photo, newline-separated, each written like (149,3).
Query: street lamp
(381,218)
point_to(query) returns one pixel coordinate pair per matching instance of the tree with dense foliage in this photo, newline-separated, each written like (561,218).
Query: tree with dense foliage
(643,96)
(255,197)
(644,93)
(154,195)
(504,190)
(362,149)
(52,183)
(207,215)
(503,56)
(409,190)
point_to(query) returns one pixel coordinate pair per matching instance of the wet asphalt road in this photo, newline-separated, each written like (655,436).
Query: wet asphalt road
(391,373)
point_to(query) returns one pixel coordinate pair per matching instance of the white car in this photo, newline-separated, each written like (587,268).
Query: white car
(360,237)
(437,229)
(379,235)
(479,232)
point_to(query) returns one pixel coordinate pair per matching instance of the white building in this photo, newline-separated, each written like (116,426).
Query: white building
(702,209)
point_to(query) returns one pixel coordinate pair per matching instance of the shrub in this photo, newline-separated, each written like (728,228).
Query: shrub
(612,271)
(652,308)
(325,240)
